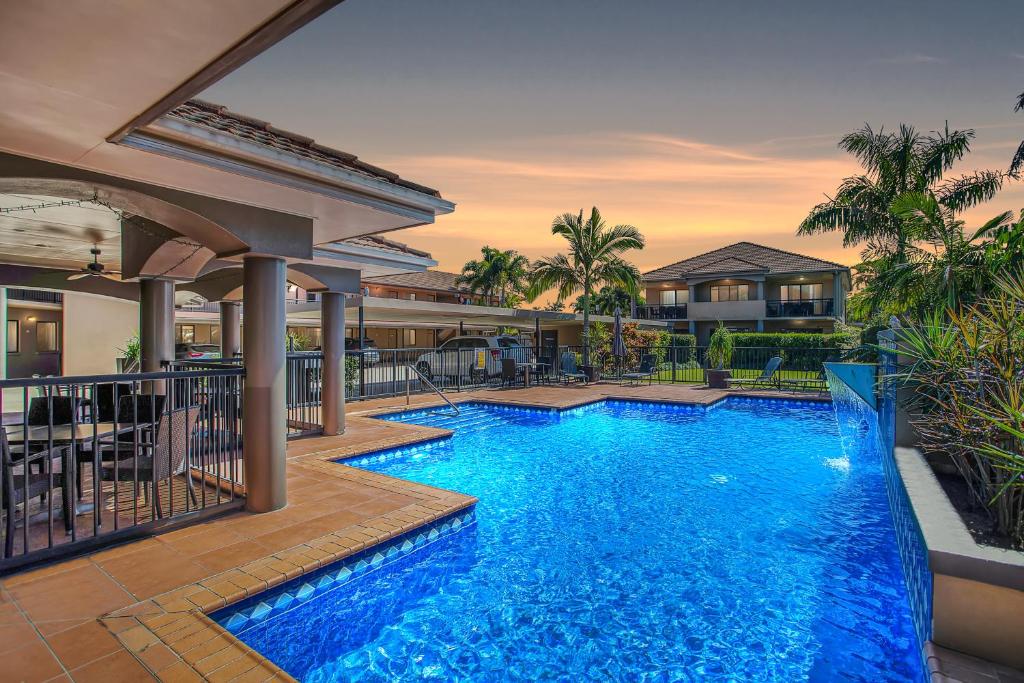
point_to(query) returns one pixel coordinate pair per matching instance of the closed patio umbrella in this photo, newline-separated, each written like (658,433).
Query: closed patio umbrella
(618,345)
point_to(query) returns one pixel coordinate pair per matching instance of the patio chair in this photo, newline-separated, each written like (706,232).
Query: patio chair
(767,378)
(543,370)
(158,461)
(647,370)
(510,372)
(15,490)
(569,371)
(142,408)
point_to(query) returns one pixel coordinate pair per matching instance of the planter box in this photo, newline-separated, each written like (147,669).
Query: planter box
(716,378)
(591,371)
(977,590)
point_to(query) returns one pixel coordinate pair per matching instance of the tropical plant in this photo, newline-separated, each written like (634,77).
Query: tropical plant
(594,258)
(132,349)
(895,164)
(720,347)
(607,299)
(967,374)
(1017,163)
(497,273)
(943,266)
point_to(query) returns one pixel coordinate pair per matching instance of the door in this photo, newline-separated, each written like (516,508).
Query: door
(549,345)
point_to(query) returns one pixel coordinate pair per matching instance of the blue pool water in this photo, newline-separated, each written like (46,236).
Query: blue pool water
(624,541)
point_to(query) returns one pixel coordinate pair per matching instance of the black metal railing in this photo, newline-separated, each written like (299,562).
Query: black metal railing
(93,460)
(35,295)
(677,312)
(801,368)
(302,395)
(804,308)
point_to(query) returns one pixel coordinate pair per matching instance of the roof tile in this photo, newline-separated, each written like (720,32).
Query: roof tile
(742,257)
(198,112)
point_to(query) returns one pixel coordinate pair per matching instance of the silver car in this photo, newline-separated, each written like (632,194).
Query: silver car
(469,358)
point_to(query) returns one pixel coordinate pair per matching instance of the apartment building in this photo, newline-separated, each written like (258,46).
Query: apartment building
(749,288)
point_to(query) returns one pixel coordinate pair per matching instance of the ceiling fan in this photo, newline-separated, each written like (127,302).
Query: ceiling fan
(96,269)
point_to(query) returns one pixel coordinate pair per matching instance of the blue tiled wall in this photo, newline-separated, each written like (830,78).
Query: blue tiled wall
(913,551)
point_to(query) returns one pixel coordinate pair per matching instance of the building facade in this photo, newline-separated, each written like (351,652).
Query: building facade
(749,288)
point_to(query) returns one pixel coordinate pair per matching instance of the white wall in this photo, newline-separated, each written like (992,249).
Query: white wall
(95,327)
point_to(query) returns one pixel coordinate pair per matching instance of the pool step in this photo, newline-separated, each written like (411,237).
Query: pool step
(462,423)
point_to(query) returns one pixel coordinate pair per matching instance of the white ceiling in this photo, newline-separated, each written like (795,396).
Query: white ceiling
(57,237)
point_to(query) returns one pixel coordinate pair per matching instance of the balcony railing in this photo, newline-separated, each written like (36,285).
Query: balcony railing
(661,312)
(88,461)
(35,295)
(805,308)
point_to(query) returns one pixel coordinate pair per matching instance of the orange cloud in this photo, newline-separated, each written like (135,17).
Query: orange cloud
(686,196)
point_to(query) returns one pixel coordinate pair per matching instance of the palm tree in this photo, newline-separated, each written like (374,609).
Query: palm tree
(594,258)
(895,164)
(944,267)
(499,273)
(606,300)
(1018,159)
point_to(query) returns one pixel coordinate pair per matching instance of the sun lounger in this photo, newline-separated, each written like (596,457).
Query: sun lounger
(766,380)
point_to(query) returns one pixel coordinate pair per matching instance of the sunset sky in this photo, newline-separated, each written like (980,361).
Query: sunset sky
(702,123)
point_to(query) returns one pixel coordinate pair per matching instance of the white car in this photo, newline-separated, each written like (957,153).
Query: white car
(469,358)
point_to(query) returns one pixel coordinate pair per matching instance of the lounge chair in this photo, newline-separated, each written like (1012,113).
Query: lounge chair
(817,383)
(767,378)
(569,370)
(648,368)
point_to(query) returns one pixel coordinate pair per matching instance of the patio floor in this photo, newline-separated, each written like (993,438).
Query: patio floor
(137,611)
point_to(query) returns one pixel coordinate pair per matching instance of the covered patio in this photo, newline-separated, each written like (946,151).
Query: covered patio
(115,184)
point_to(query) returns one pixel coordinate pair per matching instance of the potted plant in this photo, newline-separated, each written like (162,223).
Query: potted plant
(719,355)
(129,354)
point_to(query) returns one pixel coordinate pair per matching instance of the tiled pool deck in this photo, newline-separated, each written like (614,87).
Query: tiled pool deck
(138,611)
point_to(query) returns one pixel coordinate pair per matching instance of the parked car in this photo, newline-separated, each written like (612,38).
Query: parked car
(196,351)
(371,355)
(471,357)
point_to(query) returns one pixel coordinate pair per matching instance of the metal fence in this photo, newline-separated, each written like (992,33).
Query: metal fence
(377,373)
(687,364)
(92,460)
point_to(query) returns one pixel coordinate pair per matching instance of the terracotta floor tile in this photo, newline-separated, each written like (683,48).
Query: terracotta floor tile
(50,628)
(234,555)
(211,538)
(156,571)
(17,634)
(82,644)
(84,592)
(31,663)
(120,666)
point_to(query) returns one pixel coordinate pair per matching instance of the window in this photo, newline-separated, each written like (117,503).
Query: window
(186,334)
(730,292)
(410,338)
(800,292)
(46,336)
(13,338)
(675,297)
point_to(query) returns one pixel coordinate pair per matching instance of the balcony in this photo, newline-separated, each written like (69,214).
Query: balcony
(661,312)
(806,308)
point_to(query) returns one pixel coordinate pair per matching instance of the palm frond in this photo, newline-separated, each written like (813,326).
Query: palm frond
(969,190)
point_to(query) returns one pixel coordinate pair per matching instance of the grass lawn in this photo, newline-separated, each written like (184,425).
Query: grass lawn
(697,376)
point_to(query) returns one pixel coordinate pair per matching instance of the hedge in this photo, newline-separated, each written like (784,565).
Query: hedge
(800,351)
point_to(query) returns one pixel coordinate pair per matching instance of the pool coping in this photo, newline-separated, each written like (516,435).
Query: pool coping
(177,624)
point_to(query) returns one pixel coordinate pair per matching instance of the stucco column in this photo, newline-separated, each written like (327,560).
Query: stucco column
(156,324)
(760,291)
(332,331)
(230,328)
(264,429)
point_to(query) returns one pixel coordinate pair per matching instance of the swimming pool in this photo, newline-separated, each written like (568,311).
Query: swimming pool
(622,540)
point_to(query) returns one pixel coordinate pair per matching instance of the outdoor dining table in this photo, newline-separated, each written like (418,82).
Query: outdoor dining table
(528,368)
(62,437)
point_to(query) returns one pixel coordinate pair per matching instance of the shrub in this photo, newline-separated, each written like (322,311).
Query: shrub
(968,398)
(351,374)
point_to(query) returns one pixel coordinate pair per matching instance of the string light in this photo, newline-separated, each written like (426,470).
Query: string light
(124,218)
